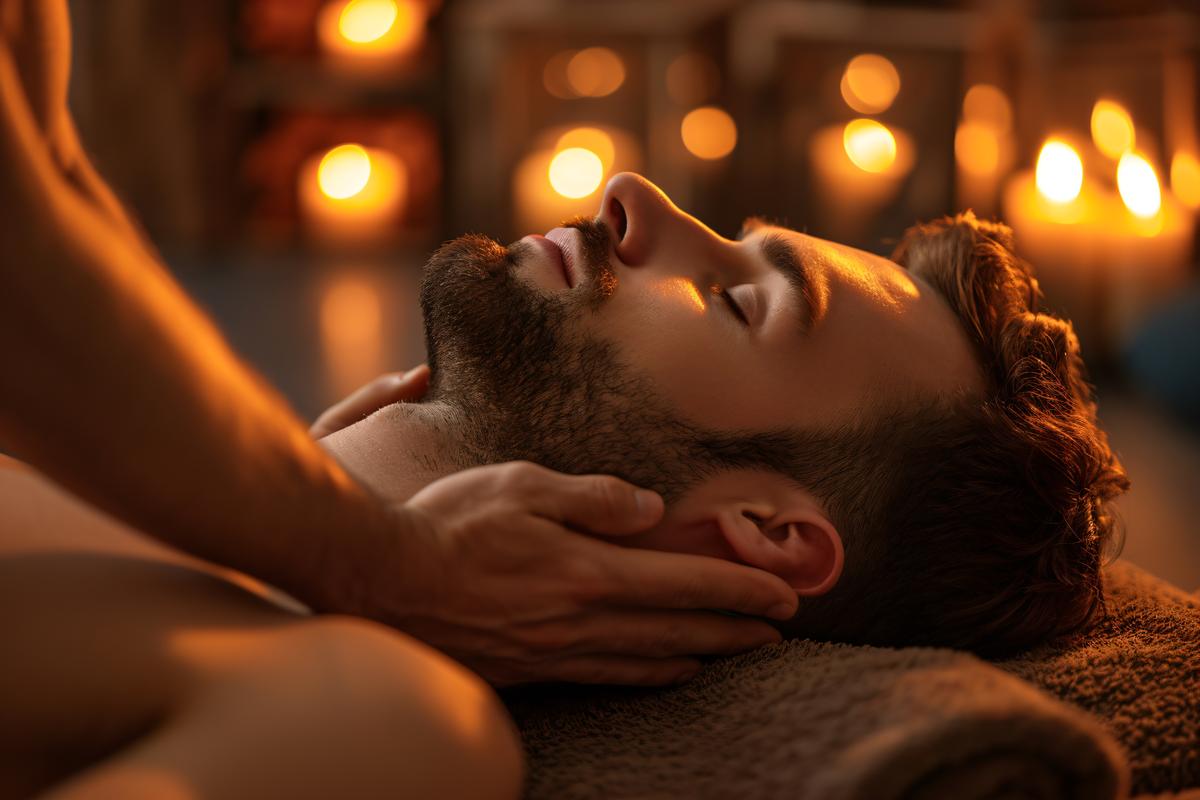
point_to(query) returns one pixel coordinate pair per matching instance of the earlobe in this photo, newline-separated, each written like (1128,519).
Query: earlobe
(802,548)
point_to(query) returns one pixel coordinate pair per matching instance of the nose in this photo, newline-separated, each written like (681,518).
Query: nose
(642,217)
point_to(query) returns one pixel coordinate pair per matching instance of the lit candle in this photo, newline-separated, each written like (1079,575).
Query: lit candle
(352,193)
(858,168)
(370,35)
(1101,259)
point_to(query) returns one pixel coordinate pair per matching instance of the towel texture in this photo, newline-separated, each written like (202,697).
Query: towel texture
(1138,672)
(815,720)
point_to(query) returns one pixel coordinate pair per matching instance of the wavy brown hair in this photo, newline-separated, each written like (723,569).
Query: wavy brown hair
(977,522)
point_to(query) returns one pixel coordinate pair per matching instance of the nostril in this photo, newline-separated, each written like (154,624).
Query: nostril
(618,212)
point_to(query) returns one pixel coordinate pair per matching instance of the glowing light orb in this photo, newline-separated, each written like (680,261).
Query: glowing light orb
(370,29)
(986,105)
(575,172)
(1138,185)
(344,171)
(1059,172)
(1185,178)
(708,132)
(977,148)
(592,139)
(869,145)
(1112,129)
(595,72)
(870,83)
(367,20)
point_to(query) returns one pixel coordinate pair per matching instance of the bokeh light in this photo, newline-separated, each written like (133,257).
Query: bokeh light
(987,106)
(370,28)
(364,21)
(1112,128)
(692,78)
(977,148)
(351,328)
(869,144)
(870,83)
(595,72)
(344,171)
(576,172)
(708,132)
(1138,185)
(1185,178)
(1059,171)
(593,139)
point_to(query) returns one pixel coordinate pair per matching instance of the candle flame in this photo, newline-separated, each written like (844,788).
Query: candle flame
(344,171)
(869,144)
(363,21)
(575,172)
(1138,185)
(1112,128)
(1059,172)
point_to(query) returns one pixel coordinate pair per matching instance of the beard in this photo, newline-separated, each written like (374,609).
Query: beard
(525,382)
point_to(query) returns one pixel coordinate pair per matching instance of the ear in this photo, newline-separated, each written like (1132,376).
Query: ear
(799,544)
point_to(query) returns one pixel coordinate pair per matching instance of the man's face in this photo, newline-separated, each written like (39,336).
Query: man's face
(644,328)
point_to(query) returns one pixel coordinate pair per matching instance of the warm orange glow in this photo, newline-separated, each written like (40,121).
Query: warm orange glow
(351,327)
(685,290)
(977,148)
(870,83)
(370,29)
(352,192)
(692,78)
(869,144)
(1059,172)
(1185,178)
(709,133)
(1112,128)
(987,106)
(595,72)
(344,171)
(593,139)
(575,172)
(1138,185)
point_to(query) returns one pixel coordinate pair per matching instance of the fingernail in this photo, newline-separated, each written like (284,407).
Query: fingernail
(782,611)
(649,504)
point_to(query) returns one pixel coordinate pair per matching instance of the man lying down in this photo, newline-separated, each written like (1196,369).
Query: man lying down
(909,443)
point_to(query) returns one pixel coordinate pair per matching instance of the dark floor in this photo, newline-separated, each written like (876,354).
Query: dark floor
(319,330)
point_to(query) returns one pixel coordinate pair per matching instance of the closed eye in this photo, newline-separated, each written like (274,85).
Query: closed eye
(724,294)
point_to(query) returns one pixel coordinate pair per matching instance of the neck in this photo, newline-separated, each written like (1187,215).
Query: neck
(401,449)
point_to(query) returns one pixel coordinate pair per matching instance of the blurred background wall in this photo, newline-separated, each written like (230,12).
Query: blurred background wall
(297,160)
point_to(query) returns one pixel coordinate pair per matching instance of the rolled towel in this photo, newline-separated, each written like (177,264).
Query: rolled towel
(822,721)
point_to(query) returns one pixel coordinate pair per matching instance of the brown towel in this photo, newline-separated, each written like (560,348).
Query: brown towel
(1138,672)
(822,721)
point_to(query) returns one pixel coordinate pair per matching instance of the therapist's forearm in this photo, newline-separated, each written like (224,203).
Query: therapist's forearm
(114,384)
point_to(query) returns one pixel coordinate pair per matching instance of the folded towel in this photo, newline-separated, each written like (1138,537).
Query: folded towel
(810,720)
(1138,672)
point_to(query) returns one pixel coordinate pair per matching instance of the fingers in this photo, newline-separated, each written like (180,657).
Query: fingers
(657,634)
(678,580)
(394,387)
(600,504)
(618,670)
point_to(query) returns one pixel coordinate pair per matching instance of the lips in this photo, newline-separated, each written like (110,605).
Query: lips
(570,246)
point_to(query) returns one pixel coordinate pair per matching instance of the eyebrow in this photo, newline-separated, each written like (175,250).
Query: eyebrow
(781,256)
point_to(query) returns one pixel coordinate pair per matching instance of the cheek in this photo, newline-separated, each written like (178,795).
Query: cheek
(702,367)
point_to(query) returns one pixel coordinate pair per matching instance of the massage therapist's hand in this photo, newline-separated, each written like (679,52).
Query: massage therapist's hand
(393,387)
(510,586)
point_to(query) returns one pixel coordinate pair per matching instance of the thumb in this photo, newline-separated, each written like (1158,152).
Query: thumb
(598,504)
